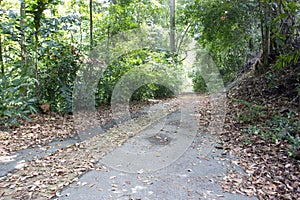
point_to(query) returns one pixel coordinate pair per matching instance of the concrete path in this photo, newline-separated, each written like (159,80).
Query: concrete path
(19,157)
(170,159)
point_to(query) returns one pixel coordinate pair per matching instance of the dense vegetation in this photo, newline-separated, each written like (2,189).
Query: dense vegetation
(57,52)
(43,43)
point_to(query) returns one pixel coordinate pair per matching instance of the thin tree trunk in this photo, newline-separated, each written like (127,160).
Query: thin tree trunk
(36,49)
(1,57)
(108,44)
(260,67)
(266,36)
(172,26)
(1,52)
(91,24)
(23,39)
(38,14)
(182,37)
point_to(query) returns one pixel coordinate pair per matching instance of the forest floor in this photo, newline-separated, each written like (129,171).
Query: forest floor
(263,131)
(249,157)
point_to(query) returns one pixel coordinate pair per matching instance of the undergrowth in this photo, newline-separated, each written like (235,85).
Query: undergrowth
(270,125)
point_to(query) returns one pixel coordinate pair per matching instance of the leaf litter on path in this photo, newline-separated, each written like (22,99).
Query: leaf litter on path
(43,178)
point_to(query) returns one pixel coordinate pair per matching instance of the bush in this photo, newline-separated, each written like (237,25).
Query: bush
(57,75)
(161,66)
(17,98)
(199,83)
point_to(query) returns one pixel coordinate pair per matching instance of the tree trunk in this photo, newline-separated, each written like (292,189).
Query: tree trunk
(172,26)
(37,24)
(23,39)
(1,52)
(91,25)
(36,59)
(1,57)
(36,49)
(108,44)
(266,36)
(265,23)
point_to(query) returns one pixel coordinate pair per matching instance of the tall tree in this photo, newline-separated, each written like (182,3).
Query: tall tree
(91,24)
(265,26)
(23,39)
(1,57)
(36,9)
(1,52)
(278,20)
(172,26)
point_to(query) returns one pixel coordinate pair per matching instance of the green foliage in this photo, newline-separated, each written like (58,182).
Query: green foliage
(253,113)
(55,35)
(298,83)
(270,127)
(232,31)
(279,128)
(199,83)
(58,68)
(17,98)
(227,29)
(54,54)
(285,60)
(285,32)
(136,60)
(121,16)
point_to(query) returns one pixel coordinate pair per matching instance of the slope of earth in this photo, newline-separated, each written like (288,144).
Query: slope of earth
(263,130)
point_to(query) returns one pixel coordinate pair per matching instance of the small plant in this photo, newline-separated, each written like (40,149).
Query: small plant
(16,100)
(252,114)
(251,129)
(279,127)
